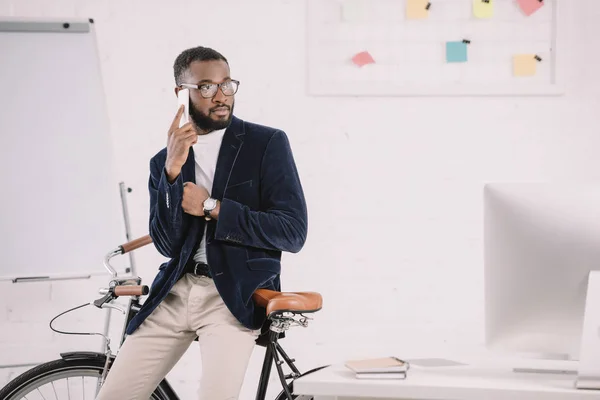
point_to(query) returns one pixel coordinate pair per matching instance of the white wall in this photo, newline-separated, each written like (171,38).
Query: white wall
(394,185)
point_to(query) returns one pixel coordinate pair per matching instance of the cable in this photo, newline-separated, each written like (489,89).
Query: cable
(70,333)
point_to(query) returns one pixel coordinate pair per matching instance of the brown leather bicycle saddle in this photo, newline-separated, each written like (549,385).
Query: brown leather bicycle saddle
(300,302)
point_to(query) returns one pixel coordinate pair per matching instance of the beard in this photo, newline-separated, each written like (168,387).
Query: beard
(205,123)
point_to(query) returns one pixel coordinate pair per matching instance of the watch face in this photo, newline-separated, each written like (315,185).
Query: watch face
(210,203)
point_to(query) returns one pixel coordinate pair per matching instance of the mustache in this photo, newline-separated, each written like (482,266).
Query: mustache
(220,107)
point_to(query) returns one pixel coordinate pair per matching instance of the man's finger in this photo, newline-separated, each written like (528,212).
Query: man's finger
(188,140)
(191,140)
(175,123)
(185,130)
(184,134)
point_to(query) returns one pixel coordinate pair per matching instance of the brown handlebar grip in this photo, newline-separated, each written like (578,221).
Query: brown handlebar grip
(131,290)
(136,244)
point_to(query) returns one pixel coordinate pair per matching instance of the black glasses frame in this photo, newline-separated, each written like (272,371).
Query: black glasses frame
(218,85)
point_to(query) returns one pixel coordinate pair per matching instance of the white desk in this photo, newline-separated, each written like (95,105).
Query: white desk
(442,383)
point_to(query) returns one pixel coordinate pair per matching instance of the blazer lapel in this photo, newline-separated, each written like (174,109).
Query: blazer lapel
(230,148)
(191,225)
(188,171)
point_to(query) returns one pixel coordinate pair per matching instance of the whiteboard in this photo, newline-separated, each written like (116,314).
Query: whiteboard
(410,54)
(60,207)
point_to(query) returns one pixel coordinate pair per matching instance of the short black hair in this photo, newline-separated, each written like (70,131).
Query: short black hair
(200,53)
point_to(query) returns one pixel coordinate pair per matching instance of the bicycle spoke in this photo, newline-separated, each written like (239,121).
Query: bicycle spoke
(54,389)
(41,394)
(68,389)
(83,387)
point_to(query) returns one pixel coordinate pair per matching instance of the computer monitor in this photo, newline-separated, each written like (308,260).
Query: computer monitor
(541,240)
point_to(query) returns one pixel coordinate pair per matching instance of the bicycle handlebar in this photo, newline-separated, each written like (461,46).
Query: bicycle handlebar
(121,289)
(131,290)
(135,244)
(123,249)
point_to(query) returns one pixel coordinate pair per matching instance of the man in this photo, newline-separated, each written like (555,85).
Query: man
(225,201)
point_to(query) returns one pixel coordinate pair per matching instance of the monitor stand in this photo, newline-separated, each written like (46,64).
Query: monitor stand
(588,376)
(557,364)
(557,371)
(587,370)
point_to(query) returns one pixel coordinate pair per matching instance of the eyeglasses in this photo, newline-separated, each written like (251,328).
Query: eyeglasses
(208,90)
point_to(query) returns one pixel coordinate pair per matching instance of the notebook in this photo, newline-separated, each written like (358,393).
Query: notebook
(378,365)
(381,375)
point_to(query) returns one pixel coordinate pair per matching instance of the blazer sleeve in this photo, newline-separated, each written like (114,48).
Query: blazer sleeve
(165,211)
(282,222)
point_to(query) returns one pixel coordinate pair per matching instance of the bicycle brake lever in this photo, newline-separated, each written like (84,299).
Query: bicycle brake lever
(113,306)
(103,300)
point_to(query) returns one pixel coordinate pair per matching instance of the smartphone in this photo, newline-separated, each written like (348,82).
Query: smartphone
(183,97)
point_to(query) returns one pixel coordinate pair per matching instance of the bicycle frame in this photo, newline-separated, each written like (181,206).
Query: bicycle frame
(280,322)
(273,352)
(282,315)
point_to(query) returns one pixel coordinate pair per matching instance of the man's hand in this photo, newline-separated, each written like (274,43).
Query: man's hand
(178,145)
(193,199)
(214,214)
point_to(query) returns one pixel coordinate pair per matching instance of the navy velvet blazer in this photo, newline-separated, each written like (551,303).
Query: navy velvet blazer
(263,212)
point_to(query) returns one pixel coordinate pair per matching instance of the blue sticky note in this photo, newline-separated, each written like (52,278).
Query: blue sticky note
(456,52)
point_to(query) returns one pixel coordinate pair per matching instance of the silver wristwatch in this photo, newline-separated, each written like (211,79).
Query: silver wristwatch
(209,205)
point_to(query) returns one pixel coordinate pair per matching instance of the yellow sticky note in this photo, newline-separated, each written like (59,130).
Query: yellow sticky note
(524,64)
(483,9)
(417,9)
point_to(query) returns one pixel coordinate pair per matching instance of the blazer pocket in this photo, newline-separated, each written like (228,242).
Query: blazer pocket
(260,274)
(264,264)
(241,192)
(237,185)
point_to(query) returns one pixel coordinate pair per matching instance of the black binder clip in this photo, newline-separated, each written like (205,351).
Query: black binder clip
(538,58)
(427,6)
(486,1)
(466,41)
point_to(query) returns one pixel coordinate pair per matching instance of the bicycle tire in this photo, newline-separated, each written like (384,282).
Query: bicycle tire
(34,378)
(283,396)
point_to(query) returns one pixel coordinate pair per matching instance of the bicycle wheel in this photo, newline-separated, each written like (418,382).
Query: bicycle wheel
(70,379)
(282,396)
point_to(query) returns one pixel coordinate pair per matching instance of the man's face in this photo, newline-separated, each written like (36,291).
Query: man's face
(215,112)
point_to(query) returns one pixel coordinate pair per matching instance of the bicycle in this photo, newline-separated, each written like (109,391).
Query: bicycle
(46,381)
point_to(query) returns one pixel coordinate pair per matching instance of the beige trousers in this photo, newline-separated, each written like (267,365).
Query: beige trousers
(192,308)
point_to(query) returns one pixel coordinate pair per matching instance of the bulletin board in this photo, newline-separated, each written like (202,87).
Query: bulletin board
(433,47)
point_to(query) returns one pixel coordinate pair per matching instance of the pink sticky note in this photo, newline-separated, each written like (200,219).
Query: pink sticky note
(530,6)
(363,58)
